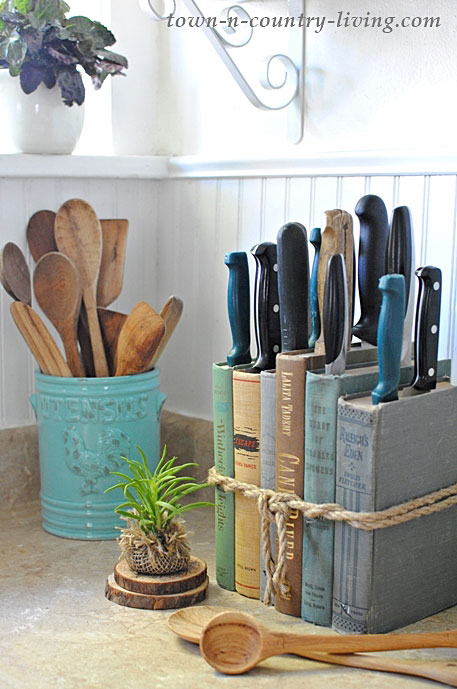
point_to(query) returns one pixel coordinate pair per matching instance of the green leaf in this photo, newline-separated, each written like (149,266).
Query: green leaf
(110,56)
(47,11)
(127,514)
(101,36)
(16,51)
(80,25)
(23,6)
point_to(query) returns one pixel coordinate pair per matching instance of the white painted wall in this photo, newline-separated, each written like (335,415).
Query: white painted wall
(366,89)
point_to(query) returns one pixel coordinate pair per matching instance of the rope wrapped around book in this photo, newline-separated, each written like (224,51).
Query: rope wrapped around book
(276,507)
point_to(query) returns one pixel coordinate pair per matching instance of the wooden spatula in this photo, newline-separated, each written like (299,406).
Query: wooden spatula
(79,236)
(40,234)
(39,340)
(111,323)
(111,275)
(138,340)
(16,274)
(171,313)
(57,287)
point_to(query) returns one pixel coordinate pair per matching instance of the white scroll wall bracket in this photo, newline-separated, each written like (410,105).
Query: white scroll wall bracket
(278,82)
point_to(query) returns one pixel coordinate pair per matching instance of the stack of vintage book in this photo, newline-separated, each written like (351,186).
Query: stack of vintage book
(367,424)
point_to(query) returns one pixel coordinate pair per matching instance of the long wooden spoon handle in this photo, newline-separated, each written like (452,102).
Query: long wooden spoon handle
(39,340)
(294,643)
(72,353)
(98,351)
(437,670)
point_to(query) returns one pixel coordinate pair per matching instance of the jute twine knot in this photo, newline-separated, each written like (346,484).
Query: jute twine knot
(277,507)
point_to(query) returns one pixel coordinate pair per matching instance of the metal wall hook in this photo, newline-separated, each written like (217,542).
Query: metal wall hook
(234,30)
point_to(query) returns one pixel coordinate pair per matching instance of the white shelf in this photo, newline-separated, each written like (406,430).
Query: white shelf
(188,166)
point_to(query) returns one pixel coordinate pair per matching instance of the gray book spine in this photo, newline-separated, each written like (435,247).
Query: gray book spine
(267,451)
(386,455)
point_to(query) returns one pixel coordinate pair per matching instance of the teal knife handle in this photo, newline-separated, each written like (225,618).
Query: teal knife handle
(238,304)
(390,337)
(315,239)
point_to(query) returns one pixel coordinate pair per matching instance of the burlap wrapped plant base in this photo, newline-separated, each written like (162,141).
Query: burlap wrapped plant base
(161,552)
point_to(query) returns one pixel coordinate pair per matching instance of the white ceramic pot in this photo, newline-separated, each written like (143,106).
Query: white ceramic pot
(39,122)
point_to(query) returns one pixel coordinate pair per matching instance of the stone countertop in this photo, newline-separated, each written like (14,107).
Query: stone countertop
(60,632)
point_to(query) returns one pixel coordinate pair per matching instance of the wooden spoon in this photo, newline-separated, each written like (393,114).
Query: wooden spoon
(111,323)
(39,340)
(139,338)
(111,276)
(79,236)
(15,273)
(171,313)
(3,281)
(40,234)
(58,291)
(189,624)
(234,642)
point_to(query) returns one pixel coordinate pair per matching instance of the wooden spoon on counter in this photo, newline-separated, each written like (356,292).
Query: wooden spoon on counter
(111,275)
(234,642)
(189,624)
(171,313)
(57,287)
(79,236)
(111,323)
(15,273)
(40,234)
(39,340)
(138,340)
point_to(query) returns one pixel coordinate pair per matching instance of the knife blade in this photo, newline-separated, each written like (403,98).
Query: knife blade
(336,316)
(266,306)
(239,310)
(390,337)
(400,260)
(293,286)
(374,233)
(336,237)
(427,328)
(315,239)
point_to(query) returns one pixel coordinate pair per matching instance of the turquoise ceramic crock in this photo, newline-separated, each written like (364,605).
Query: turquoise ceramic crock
(84,425)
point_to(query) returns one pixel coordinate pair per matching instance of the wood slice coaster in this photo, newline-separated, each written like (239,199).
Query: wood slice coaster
(121,596)
(164,584)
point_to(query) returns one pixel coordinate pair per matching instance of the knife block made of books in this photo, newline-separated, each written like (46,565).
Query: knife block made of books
(389,454)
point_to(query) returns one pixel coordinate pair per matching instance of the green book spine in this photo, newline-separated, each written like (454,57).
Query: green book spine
(223,461)
(322,393)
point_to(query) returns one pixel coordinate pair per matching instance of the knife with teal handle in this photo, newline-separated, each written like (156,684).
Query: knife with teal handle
(315,239)
(238,303)
(390,337)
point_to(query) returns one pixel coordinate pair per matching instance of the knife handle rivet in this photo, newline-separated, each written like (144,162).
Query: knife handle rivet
(436,286)
(431,372)
(275,267)
(276,308)
(276,349)
(434,329)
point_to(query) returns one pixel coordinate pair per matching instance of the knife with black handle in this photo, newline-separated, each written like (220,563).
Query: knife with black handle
(266,306)
(293,286)
(390,337)
(315,325)
(336,316)
(238,304)
(427,328)
(400,260)
(374,233)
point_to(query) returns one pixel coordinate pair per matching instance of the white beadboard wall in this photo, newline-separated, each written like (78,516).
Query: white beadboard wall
(180,230)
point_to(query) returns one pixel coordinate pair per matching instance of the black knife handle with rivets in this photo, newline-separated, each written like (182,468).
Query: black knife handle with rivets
(293,286)
(335,316)
(266,306)
(374,234)
(427,328)
(399,247)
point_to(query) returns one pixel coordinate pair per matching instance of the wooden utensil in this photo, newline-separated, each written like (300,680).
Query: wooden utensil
(39,340)
(5,285)
(139,338)
(40,234)
(111,323)
(16,274)
(171,313)
(111,275)
(189,623)
(79,236)
(234,642)
(57,287)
